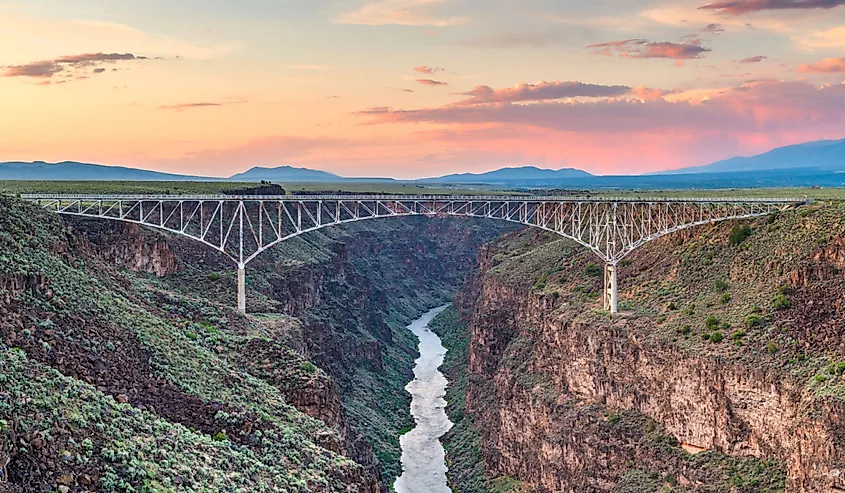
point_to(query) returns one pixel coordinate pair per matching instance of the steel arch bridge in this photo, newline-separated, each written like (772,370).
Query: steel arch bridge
(242,227)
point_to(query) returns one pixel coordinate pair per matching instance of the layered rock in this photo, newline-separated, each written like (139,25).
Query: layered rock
(553,381)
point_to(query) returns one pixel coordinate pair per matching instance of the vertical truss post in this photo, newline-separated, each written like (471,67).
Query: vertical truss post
(241,289)
(611,288)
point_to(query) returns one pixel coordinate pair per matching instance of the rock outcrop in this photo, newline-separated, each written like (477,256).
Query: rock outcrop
(729,353)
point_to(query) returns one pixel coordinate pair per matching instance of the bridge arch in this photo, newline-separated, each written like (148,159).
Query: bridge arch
(242,227)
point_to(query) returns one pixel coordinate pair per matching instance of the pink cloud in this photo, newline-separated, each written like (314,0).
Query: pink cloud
(432,82)
(738,7)
(542,91)
(424,69)
(764,106)
(651,94)
(826,66)
(643,48)
(753,59)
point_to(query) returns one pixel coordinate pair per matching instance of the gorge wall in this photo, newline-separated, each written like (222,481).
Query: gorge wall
(143,322)
(722,373)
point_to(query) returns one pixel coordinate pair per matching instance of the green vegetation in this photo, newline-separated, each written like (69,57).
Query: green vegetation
(781,302)
(738,234)
(211,358)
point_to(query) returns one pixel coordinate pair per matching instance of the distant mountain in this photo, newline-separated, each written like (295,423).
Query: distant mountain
(823,154)
(286,174)
(526,175)
(70,170)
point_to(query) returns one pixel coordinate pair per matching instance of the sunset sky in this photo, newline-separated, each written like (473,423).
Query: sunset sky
(414,88)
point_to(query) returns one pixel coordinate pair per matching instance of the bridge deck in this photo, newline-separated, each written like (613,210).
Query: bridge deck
(438,198)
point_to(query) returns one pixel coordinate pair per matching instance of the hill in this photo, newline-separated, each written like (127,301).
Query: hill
(824,154)
(71,170)
(525,175)
(286,174)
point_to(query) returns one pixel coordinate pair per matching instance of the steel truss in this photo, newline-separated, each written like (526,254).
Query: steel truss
(242,227)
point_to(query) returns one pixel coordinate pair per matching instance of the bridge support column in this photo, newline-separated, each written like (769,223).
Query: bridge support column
(611,289)
(241,289)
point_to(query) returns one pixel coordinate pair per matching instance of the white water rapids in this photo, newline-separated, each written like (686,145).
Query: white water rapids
(423,458)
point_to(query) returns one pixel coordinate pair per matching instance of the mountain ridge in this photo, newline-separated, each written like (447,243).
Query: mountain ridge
(824,154)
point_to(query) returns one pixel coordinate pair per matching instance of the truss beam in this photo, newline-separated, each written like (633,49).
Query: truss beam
(242,227)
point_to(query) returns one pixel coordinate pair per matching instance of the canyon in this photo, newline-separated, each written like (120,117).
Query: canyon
(124,365)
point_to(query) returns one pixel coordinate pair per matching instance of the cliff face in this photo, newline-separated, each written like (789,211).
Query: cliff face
(110,382)
(338,298)
(128,246)
(722,371)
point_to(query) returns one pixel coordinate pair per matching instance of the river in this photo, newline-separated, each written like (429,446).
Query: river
(423,458)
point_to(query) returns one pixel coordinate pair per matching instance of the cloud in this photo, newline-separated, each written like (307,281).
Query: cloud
(87,59)
(542,91)
(643,48)
(46,69)
(45,34)
(43,69)
(753,59)
(424,69)
(713,28)
(651,94)
(432,82)
(826,66)
(738,7)
(758,107)
(820,40)
(400,12)
(186,106)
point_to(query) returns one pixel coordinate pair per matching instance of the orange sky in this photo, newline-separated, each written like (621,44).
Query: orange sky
(414,88)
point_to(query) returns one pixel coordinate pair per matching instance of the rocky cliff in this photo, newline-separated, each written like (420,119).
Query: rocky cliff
(141,322)
(722,373)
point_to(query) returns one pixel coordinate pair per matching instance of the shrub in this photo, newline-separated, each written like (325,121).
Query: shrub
(672,306)
(711,322)
(593,270)
(820,378)
(772,348)
(756,309)
(725,298)
(721,286)
(753,320)
(738,234)
(716,337)
(308,367)
(836,368)
(214,276)
(220,436)
(785,290)
(781,302)
(686,329)
(737,334)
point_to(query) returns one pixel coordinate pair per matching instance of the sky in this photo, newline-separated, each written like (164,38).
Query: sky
(417,88)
